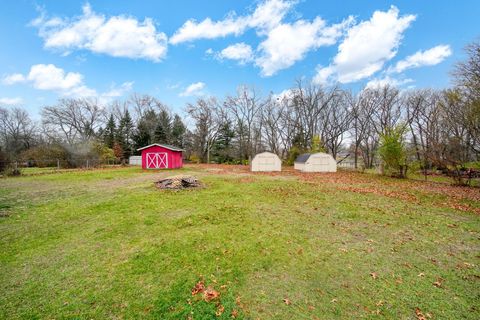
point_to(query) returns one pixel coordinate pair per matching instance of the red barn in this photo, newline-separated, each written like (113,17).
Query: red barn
(161,156)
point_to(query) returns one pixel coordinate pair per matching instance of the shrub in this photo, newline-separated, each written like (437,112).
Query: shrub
(293,153)
(393,153)
(194,158)
(45,155)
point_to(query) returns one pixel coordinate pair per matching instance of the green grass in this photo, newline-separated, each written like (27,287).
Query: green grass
(106,244)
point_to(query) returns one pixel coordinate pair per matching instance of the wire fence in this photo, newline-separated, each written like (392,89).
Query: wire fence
(58,164)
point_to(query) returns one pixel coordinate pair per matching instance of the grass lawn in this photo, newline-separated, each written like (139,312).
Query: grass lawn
(106,244)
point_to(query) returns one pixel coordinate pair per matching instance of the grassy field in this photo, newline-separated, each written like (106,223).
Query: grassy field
(106,244)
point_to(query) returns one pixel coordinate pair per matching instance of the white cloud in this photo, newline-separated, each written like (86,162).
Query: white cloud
(268,14)
(288,43)
(13,78)
(375,83)
(239,51)
(428,57)
(284,43)
(195,89)
(367,46)
(50,77)
(68,84)
(11,101)
(117,36)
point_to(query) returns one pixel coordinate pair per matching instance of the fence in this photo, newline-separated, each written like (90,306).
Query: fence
(57,164)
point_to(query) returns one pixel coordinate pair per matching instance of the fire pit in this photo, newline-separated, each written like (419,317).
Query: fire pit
(178,182)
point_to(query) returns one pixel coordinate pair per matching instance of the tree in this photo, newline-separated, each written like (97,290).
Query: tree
(222,148)
(178,131)
(17,131)
(73,120)
(206,114)
(392,151)
(317,145)
(117,150)
(246,108)
(124,135)
(141,136)
(163,131)
(145,131)
(467,79)
(109,132)
(361,125)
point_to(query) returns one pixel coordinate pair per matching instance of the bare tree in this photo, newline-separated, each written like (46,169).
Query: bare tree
(361,126)
(73,120)
(274,108)
(206,114)
(246,108)
(336,121)
(17,130)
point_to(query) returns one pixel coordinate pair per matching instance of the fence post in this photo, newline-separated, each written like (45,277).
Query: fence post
(87,163)
(16,165)
(58,164)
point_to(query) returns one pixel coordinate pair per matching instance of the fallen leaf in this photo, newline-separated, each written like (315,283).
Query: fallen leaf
(234,313)
(374,275)
(438,283)
(210,294)
(220,310)
(311,308)
(421,274)
(334,300)
(419,314)
(287,301)
(380,303)
(199,287)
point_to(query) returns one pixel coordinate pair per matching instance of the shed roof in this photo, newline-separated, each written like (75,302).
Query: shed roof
(303,158)
(166,146)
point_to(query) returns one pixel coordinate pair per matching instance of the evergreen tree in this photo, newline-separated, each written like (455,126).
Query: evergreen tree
(109,132)
(221,150)
(124,134)
(163,130)
(142,136)
(178,131)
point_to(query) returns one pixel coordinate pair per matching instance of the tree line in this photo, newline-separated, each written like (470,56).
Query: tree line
(383,125)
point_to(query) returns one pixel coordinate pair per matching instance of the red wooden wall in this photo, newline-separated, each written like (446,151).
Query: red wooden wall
(174,158)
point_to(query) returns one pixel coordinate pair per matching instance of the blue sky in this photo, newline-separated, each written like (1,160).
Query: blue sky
(178,51)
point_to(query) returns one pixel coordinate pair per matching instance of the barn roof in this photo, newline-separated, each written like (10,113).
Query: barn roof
(303,158)
(166,146)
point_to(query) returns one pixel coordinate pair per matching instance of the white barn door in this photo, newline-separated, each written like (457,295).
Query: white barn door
(157,160)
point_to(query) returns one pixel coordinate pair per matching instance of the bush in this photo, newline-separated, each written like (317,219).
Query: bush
(104,153)
(44,155)
(293,153)
(393,153)
(194,158)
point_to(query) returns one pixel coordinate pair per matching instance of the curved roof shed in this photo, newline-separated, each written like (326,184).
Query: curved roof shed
(315,162)
(266,162)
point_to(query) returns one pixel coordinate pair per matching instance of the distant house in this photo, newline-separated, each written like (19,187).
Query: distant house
(161,156)
(315,162)
(266,162)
